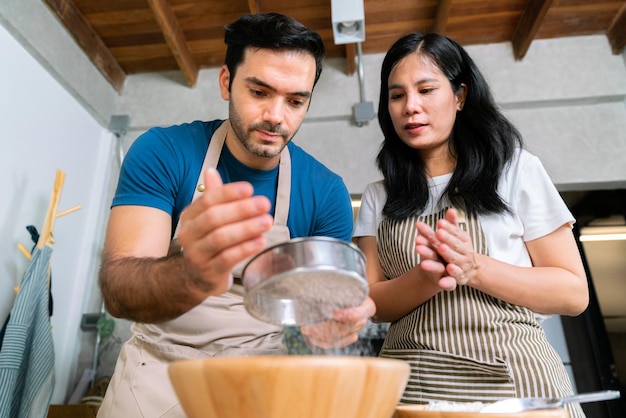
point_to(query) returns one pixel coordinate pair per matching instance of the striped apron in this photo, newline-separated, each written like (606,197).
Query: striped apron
(466,345)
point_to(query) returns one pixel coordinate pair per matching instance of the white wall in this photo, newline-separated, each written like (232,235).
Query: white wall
(38,30)
(42,129)
(567,97)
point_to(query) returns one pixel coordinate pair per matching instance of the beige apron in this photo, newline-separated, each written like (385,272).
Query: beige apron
(219,326)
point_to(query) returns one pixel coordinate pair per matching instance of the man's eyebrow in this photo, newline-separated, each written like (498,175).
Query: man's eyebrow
(261,83)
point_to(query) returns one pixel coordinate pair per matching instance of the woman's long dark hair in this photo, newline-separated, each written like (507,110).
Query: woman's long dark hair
(482,139)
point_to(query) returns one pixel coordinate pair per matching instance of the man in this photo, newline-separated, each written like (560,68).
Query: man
(243,186)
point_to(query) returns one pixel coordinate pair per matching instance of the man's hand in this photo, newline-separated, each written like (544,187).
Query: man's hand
(220,228)
(343,329)
(141,282)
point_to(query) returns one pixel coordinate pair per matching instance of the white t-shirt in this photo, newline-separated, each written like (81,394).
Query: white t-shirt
(537,209)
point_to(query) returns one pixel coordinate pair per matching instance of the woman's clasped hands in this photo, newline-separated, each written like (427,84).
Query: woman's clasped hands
(447,254)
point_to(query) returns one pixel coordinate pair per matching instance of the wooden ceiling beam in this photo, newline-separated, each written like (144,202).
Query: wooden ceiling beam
(441,18)
(89,41)
(617,31)
(253,6)
(175,39)
(528,25)
(351,58)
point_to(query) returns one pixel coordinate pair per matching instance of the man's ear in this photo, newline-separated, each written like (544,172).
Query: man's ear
(224,81)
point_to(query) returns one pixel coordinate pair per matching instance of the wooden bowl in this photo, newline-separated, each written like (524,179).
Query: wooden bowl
(289,386)
(417,411)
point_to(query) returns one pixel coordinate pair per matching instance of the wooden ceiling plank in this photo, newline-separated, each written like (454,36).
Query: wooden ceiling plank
(529,23)
(441,18)
(89,41)
(137,44)
(617,31)
(175,39)
(253,6)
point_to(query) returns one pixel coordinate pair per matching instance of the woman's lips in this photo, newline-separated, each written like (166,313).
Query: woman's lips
(414,128)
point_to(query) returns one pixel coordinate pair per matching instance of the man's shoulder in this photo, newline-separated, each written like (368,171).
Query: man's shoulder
(307,164)
(197,127)
(191,137)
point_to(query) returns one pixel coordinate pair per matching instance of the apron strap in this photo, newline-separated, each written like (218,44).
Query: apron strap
(281,211)
(283,194)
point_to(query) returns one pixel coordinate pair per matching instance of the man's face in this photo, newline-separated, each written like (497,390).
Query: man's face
(268,100)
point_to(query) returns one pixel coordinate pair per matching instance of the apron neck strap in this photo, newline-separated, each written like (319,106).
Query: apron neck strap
(283,194)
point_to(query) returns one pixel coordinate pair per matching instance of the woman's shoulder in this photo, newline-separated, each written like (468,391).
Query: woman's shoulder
(522,157)
(376,191)
(377,186)
(370,212)
(521,162)
(374,197)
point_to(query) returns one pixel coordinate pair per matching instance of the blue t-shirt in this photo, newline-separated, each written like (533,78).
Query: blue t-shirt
(162,167)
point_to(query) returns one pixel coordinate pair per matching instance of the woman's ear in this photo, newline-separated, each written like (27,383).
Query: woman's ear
(224,82)
(461,94)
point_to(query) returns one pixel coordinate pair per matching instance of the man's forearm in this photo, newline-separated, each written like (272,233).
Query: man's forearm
(149,290)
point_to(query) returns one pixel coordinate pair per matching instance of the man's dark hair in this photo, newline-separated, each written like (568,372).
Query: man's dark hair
(271,31)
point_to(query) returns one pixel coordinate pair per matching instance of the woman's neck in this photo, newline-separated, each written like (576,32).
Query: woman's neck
(439,163)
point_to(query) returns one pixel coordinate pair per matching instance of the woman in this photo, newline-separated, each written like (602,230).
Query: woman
(466,237)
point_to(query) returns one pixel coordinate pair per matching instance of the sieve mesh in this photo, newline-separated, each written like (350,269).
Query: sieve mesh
(305,295)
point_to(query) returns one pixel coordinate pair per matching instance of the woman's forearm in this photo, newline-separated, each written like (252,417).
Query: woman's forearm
(401,295)
(548,290)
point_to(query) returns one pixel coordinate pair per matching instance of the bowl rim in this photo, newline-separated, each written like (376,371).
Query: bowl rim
(295,241)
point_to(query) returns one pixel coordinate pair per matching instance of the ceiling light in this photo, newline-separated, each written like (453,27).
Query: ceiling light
(348,18)
(603,233)
(348,28)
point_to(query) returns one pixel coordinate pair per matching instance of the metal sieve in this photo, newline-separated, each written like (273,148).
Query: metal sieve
(304,280)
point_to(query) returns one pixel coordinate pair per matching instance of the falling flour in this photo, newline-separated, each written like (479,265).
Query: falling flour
(449,406)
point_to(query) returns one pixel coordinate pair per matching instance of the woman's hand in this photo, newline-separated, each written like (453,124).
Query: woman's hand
(343,329)
(447,252)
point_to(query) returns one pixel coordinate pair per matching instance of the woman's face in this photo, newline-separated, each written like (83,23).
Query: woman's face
(422,104)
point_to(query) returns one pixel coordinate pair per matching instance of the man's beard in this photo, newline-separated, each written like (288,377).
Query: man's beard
(243,134)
